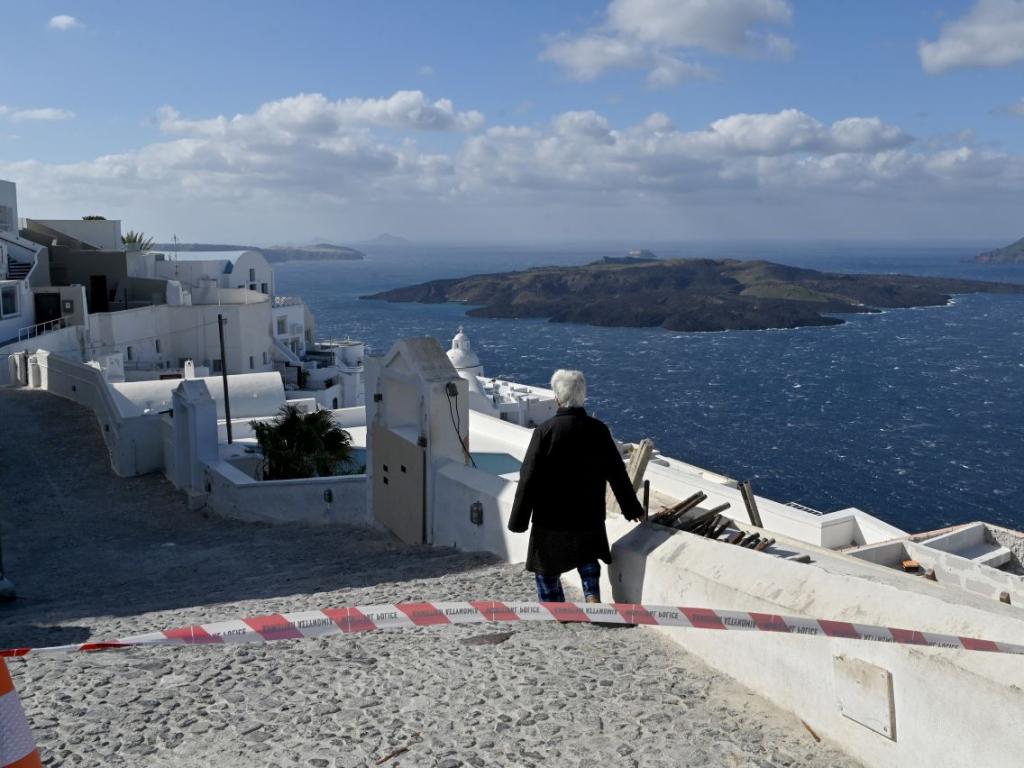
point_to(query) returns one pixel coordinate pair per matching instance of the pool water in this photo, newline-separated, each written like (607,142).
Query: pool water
(492,463)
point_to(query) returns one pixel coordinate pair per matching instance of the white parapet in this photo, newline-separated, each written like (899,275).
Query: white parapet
(948,707)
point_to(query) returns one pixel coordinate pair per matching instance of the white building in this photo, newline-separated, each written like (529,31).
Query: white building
(72,287)
(156,341)
(204,270)
(293,327)
(22,264)
(507,400)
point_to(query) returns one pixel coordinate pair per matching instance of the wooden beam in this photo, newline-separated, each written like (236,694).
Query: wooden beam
(639,458)
(748,500)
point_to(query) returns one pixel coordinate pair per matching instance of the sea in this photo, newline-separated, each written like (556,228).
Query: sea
(913,415)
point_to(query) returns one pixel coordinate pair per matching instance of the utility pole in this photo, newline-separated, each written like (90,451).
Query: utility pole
(224,373)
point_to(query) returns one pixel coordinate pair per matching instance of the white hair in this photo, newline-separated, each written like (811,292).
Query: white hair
(570,388)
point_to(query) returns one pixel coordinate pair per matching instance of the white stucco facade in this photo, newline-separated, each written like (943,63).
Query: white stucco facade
(222,269)
(159,339)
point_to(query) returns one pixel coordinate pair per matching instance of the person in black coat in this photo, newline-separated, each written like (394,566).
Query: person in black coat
(562,489)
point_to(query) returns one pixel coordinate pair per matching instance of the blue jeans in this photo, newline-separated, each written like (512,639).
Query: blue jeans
(549,588)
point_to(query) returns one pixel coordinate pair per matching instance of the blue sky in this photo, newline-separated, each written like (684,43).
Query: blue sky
(453,120)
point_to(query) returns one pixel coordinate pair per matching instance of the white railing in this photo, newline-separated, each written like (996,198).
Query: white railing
(31,331)
(804,508)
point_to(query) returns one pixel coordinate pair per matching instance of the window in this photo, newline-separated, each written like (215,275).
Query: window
(156,343)
(8,301)
(129,353)
(252,286)
(252,274)
(263,288)
(252,363)
(282,325)
(217,365)
(264,358)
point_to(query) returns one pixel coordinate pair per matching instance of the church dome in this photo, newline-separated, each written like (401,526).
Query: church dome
(462,355)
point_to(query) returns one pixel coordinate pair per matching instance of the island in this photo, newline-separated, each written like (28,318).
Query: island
(689,294)
(1011,254)
(275,253)
(636,256)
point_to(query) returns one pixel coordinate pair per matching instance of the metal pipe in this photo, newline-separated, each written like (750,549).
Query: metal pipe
(224,373)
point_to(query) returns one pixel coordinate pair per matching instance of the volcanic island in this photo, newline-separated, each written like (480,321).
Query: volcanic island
(689,294)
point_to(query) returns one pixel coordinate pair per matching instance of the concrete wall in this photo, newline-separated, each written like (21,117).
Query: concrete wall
(102,234)
(951,707)
(456,488)
(66,342)
(966,574)
(232,493)
(135,443)
(252,394)
(185,332)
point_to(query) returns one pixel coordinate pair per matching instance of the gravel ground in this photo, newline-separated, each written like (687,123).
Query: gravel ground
(98,557)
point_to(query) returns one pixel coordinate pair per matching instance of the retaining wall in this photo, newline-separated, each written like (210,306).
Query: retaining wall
(319,500)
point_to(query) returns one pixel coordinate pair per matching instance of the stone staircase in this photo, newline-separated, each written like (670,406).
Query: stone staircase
(17,270)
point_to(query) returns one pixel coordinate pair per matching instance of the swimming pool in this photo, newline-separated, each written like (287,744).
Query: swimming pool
(492,463)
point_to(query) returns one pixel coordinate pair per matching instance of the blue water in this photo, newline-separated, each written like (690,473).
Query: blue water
(914,415)
(494,463)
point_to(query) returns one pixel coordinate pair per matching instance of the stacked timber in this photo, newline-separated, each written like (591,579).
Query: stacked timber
(689,516)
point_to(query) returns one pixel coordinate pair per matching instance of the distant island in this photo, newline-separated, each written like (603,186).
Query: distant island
(1011,254)
(689,294)
(276,253)
(636,256)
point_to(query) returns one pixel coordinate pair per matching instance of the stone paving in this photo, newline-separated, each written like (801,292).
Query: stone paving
(97,557)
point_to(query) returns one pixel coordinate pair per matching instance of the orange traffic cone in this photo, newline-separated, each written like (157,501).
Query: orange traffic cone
(17,747)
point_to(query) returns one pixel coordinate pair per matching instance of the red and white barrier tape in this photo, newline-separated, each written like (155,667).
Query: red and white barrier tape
(333,621)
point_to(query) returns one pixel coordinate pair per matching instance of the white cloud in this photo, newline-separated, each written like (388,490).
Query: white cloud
(659,35)
(42,114)
(426,71)
(63,22)
(313,114)
(723,26)
(990,35)
(322,157)
(582,151)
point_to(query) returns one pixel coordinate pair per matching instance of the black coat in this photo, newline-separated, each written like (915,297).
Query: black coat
(562,488)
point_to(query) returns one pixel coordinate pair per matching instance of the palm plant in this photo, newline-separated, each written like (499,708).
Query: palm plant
(131,237)
(297,444)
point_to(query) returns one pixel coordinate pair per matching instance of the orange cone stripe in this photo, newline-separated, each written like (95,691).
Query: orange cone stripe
(17,747)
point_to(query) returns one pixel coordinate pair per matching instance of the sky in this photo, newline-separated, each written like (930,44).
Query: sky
(520,120)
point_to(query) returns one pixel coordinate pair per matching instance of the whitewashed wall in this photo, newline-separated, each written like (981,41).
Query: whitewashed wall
(234,494)
(952,708)
(135,443)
